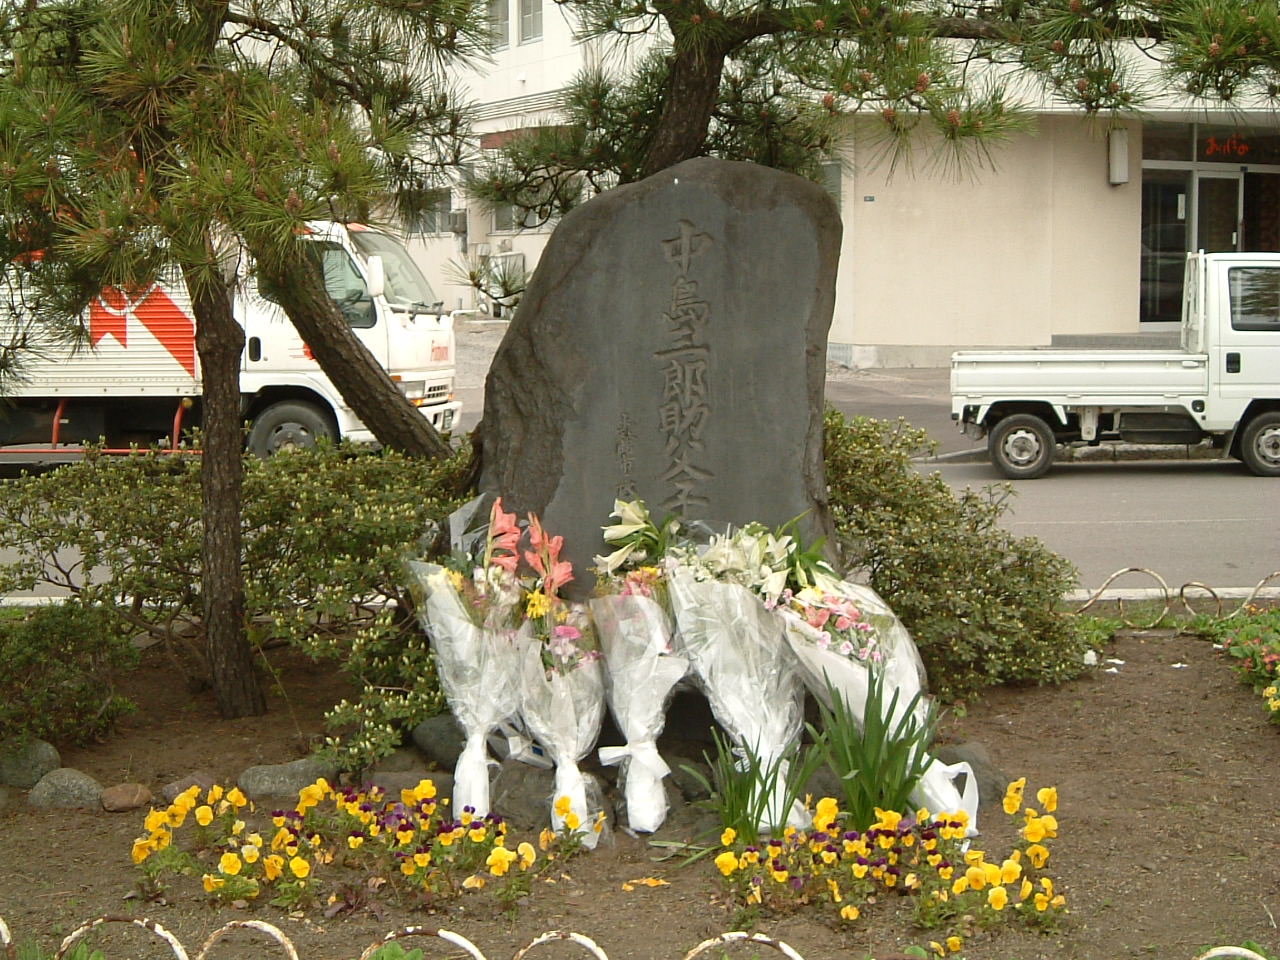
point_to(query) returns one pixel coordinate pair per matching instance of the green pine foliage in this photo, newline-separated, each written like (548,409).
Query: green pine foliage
(980,602)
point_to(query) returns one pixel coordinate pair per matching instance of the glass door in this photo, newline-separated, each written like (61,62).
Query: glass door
(1165,218)
(1219,199)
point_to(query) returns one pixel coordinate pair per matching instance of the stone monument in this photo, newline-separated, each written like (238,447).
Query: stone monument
(671,346)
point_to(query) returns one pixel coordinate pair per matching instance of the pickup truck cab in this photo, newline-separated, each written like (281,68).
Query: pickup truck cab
(1222,385)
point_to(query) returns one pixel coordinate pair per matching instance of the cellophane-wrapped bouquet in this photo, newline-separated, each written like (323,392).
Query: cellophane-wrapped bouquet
(561,680)
(633,621)
(841,634)
(469,607)
(738,653)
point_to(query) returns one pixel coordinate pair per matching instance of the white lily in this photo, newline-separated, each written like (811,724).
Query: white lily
(634,518)
(616,559)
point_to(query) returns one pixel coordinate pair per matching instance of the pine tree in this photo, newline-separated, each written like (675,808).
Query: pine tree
(143,137)
(772,80)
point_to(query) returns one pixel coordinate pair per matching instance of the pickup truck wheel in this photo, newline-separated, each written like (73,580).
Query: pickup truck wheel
(1260,445)
(1021,446)
(288,426)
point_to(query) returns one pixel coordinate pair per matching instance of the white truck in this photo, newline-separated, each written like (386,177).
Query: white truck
(138,380)
(1223,385)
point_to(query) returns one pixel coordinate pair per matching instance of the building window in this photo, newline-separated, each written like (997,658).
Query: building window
(500,22)
(507,219)
(530,20)
(435,214)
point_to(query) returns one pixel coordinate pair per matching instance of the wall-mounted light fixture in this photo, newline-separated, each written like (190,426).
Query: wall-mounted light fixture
(1118,156)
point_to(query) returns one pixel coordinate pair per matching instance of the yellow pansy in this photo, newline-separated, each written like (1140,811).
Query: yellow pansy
(273,866)
(407,867)
(572,821)
(236,798)
(229,864)
(299,867)
(249,853)
(727,838)
(849,912)
(1038,854)
(155,820)
(1013,796)
(954,944)
(499,860)
(1025,890)
(422,858)
(937,948)
(1048,798)
(473,882)
(142,848)
(212,883)
(214,795)
(824,816)
(997,897)
(562,806)
(727,862)
(527,855)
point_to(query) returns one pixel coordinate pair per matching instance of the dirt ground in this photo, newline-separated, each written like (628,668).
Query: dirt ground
(1169,840)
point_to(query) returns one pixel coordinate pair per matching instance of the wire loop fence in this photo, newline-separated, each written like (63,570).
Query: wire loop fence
(1166,597)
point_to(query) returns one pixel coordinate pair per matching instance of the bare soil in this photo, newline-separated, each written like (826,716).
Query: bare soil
(1166,771)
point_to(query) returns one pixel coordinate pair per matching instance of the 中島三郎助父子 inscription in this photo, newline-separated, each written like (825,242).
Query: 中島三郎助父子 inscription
(684,411)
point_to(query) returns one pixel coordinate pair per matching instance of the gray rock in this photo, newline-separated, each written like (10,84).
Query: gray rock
(124,797)
(282,781)
(825,783)
(197,778)
(522,794)
(24,761)
(690,787)
(440,739)
(392,782)
(670,347)
(402,760)
(65,788)
(8,798)
(992,781)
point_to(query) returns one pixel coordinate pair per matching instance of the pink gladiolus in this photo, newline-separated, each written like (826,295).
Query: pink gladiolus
(507,563)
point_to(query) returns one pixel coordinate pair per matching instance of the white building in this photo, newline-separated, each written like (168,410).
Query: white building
(1078,234)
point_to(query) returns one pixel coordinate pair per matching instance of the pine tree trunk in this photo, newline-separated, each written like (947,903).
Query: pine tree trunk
(219,341)
(364,384)
(692,90)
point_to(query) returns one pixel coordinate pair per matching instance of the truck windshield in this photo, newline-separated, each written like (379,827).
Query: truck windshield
(407,288)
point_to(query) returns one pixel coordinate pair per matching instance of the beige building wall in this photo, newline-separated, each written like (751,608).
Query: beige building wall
(933,262)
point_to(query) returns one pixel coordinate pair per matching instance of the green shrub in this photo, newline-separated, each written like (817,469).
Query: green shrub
(324,535)
(58,665)
(979,601)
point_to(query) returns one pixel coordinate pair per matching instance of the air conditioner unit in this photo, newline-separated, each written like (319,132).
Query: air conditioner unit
(458,221)
(504,246)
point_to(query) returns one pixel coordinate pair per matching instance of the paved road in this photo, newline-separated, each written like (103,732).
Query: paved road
(1209,521)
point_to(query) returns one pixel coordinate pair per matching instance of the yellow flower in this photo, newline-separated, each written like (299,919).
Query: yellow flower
(299,868)
(422,858)
(598,826)
(273,866)
(354,841)
(1035,829)
(997,897)
(176,815)
(212,883)
(229,864)
(960,886)
(283,837)
(727,862)
(250,853)
(155,820)
(887,819)
(572,821)
(214,795)
(477,834)
(407,867)
(779,876)
(1010,871)
(954,944)
(1013,796)
(254,838)
(937,948)
(727,838)
(850,912)
(142,848)
(993,873)
(537,605)
(977,877)
(546,838)
(425,790)
(236,798)
(1048,798)
(826,814)
(527,855)
(562,806)
(834,889)
(237,828)
(473,882)
(499,860)
(1038,855)
(1025,890)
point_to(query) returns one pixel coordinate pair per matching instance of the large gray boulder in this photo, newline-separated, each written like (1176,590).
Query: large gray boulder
(24,761)
(282,781)
(671,346)
(65,788)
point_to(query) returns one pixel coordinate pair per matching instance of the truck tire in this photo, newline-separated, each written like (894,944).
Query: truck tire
(291,425)
(1260,444)
(1021,446)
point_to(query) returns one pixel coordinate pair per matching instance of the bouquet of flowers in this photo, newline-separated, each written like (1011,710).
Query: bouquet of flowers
(737,651)
(642,668)
(562,683)
(841,633)
(468,607)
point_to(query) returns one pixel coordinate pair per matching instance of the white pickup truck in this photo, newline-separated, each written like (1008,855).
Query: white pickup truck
(1223,385)
(138,378)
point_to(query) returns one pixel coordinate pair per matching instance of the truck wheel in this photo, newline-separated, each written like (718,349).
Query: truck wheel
(1021,446)
(1260,445)
(288,426)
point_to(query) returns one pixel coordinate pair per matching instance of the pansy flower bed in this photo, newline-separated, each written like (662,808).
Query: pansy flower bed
(1253,644)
